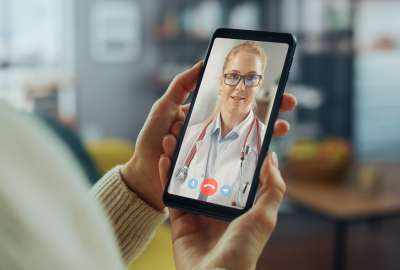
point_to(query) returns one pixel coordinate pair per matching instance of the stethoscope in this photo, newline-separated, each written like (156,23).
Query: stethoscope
(246,149)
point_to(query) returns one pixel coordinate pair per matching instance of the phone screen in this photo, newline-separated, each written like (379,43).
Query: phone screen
(225,132)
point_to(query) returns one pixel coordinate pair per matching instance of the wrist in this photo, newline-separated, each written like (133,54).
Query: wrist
(141,184)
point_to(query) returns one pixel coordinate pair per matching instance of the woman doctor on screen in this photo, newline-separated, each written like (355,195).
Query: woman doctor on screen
(218,156)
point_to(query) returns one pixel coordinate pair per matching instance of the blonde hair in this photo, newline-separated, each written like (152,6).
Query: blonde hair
(248,46)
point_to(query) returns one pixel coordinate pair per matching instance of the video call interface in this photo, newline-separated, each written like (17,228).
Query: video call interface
(220,149)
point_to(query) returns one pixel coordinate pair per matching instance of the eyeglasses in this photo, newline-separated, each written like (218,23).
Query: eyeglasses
(250,80)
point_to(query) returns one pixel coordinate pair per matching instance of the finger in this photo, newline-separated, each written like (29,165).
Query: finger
(169,145)
(176,128)
(264,172)
(185,108)
(181,119)
(271,192)
(163,166)
(183,83)
(288,103)
(281,128)
(183,112)
(272,158)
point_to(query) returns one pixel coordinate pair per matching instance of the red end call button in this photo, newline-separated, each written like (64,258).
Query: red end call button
(209,187)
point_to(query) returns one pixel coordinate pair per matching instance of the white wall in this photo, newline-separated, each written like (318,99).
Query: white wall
(377,83)
(113,99)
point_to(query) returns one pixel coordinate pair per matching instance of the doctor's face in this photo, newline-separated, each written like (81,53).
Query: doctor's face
(240,97)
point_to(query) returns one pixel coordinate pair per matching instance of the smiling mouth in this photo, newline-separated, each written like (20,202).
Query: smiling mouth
(237,98)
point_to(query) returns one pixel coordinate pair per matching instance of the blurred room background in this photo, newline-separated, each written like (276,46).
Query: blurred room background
(93,68)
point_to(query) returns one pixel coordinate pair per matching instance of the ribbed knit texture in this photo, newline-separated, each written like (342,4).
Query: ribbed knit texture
(134,221)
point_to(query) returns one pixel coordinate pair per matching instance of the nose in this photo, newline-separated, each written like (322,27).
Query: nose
(241,86)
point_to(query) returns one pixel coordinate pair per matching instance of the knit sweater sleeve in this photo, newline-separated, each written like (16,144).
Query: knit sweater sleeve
(133,220)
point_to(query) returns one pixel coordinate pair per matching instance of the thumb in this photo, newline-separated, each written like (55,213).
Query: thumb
(183,83)
(272,190)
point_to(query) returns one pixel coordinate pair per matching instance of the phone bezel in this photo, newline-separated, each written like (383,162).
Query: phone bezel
(210,209)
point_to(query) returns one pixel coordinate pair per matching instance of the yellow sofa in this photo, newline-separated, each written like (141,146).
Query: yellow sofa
(108,153)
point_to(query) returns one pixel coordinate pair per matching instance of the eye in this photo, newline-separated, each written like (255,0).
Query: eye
(232,76)
(252,77)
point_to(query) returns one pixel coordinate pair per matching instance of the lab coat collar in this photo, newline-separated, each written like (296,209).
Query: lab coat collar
(236,131)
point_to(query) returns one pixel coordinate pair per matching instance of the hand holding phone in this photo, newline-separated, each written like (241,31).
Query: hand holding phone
(201,242)
(216,165)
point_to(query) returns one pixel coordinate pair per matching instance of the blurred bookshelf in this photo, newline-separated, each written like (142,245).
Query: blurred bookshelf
(183,29)
(324,59)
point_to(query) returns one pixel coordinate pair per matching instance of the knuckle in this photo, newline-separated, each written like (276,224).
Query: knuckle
(263,221)
(282,189)
(177,78)
(161,105)
(157,104)
(279,183)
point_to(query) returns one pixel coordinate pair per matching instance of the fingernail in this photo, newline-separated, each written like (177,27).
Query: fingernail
(275,161)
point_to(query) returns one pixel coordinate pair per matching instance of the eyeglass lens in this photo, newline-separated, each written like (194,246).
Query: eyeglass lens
(233,79)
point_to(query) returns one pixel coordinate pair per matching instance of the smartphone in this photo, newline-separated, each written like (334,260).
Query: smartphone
(229,125)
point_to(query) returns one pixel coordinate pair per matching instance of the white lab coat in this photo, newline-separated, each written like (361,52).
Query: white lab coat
(227,167)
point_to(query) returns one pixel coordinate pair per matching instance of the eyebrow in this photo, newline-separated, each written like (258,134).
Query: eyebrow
(250,72)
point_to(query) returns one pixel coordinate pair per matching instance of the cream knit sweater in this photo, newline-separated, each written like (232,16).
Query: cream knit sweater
(47,219)
(133,220)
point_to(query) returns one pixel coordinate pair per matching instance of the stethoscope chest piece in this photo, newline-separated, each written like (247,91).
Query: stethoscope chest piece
(182,174)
